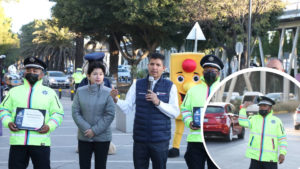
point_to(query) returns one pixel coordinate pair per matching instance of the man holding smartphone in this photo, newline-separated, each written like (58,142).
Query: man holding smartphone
(194,102)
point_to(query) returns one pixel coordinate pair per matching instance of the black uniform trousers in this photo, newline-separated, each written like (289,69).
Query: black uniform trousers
(19,156)
(262,165)
(195,156)
(157,152)
(86,150)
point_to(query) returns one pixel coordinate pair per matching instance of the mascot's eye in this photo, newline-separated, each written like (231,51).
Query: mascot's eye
(180,79)
(196,78)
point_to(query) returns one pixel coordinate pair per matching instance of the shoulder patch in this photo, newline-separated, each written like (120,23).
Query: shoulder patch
(45,92)
(273,121)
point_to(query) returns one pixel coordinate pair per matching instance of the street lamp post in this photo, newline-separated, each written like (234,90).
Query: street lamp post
(249,33)
(2,57)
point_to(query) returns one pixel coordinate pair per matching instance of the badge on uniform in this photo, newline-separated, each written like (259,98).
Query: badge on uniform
(211,58)
(273,121)
(44,92)
(32,60)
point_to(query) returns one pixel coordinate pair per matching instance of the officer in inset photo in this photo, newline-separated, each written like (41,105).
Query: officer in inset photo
(267,143)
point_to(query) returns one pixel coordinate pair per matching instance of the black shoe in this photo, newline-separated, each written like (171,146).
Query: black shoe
(173,152)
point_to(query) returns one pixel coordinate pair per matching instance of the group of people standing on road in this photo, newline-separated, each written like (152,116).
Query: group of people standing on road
(154,106)
(154,102)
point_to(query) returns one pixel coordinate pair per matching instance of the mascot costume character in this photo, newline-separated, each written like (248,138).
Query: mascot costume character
(185,72)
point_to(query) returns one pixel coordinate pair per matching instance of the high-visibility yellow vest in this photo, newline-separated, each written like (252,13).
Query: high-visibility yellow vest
(36,97)
(266,137)
(78,76)
(195,97)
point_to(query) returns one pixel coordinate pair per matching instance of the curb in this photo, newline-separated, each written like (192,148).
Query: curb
(280,112)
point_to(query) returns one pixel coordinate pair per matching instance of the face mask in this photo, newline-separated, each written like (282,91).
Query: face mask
(263,112)
(32,78)
(210,77)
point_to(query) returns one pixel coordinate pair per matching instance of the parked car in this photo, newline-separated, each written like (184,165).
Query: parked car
(234,96)
(278,97)
(166,75)
(56,79)
(123,74)
(297,118)
(251,97)
(221,120)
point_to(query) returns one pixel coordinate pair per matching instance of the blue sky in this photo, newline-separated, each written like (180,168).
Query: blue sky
(26,11)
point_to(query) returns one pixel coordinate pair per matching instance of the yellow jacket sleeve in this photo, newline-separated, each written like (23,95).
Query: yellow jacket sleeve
(56,113)
(6,109)
(186,110)
(243,119)
(282,139)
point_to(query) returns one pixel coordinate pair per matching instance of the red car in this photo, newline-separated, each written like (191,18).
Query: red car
(220,120)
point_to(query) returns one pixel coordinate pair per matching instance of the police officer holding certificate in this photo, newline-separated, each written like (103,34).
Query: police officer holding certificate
(31,112)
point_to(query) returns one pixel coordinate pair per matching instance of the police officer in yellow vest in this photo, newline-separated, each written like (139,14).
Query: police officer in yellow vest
(267,140)
(26,141)
(195,98)
(78,76)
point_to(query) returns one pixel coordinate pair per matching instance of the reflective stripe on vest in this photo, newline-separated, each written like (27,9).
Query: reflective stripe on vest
(258,149)
(32,135)
(195,132)
(262,139)
(269,135)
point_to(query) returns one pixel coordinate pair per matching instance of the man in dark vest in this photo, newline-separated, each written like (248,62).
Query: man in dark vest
(154,105)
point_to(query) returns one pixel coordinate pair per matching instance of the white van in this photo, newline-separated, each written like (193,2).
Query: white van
(252,97)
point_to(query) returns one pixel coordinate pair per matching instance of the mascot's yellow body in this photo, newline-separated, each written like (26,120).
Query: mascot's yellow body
(185,72)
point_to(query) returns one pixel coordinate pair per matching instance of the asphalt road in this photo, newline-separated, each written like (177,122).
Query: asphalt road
(231,155)
(64,143)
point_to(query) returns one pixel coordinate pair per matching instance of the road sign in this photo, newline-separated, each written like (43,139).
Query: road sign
(239,47)
(196,33)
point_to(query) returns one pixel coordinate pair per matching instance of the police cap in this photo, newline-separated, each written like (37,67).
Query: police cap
(95,56)
(212,61)
(265,100)
(32,62)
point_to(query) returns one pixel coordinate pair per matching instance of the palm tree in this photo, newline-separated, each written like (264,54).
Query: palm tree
(54,45)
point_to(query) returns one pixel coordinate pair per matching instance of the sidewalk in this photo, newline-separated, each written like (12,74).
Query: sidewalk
(64,143)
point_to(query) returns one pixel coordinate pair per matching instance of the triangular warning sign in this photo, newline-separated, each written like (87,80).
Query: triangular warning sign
(196,33)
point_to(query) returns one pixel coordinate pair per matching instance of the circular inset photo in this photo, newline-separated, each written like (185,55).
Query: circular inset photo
(252,120)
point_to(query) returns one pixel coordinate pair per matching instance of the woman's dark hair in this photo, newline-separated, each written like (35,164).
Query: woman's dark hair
(95,65)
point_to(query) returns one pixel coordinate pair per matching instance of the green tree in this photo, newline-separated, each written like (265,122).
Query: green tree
(44,39)
(9,41)
(273,44)
(89,18)
(143,25)
(26,37)
(225,22)
(150,24)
